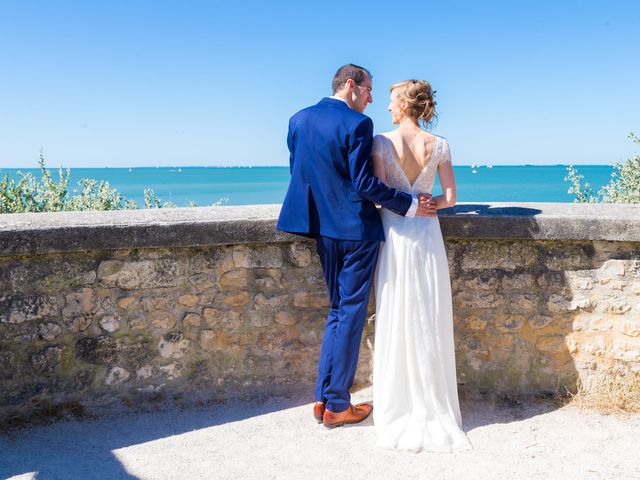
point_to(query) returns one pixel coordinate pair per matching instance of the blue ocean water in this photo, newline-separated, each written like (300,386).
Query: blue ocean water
(262,185)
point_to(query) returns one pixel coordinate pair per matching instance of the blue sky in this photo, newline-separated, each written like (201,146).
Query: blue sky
(132,83)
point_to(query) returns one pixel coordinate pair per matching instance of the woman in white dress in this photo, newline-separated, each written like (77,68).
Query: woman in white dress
(414,379)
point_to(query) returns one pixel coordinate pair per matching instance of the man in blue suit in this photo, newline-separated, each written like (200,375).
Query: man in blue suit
(331,197)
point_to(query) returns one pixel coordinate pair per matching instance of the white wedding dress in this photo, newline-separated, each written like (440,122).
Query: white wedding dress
(415,395)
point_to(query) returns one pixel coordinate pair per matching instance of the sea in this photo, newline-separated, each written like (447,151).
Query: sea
(265,185)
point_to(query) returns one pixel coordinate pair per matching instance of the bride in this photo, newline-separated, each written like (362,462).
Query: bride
(414,378)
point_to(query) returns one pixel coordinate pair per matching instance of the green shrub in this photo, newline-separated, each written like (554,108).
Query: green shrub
(624,186)
(29,194)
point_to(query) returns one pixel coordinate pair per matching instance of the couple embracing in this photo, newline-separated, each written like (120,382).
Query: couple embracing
(339,172)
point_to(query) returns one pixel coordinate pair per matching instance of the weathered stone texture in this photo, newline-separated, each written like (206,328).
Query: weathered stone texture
(206,323)
(569,314)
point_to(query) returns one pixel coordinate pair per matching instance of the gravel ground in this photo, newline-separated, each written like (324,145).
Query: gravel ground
(279,439)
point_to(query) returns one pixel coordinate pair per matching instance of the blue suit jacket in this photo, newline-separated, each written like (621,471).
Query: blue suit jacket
(332,189)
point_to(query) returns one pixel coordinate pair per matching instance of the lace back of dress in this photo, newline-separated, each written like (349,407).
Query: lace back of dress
(397,178)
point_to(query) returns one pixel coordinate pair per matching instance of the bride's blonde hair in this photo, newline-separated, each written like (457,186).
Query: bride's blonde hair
(419,99)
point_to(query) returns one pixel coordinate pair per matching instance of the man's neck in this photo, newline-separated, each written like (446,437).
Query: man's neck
(342,98)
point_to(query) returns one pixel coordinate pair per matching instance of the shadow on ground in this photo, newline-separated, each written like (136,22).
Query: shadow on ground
(83,448)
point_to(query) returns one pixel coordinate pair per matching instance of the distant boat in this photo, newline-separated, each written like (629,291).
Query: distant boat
(474,171)
(489,166)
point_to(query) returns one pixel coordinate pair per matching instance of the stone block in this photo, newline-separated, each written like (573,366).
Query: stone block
(481,282)
(81,302)
(153,303)
(192,320)
(275,301)
(509,323)
(188,300)
(162,319)
(311,300)
(235,279)
(29,308)
(213,341)
(172,371)
(299,254)
(538,322)
(569,256)
(117,375)
(520,281)
(134,275)
(213,317)
(97,350)
(631,326)
(201,282)
(611,269)
(596,346)
(500,256)
(627,350)
(110,323)
(144,372)
(551,344)
(135,350)
(235,299)
(47,360)
(617,306)
(49,331)
(522,303)
(478,300)
(559,304)
(174,345)
(80,323)
(600,324)
(125,302)
(269,256)
(286,318)
(137,322)
(579,280)
(260,318)
(191,325)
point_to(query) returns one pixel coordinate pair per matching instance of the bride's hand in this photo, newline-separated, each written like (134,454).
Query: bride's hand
(427,209)
(423,198)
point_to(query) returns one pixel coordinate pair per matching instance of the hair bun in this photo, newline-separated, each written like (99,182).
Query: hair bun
(420,100)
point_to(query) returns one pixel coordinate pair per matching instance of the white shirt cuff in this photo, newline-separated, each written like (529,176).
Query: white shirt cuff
(413,208)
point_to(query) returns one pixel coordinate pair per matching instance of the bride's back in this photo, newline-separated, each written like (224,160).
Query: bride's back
(414,150)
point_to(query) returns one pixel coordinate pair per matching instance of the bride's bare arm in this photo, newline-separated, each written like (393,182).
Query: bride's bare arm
(447,182)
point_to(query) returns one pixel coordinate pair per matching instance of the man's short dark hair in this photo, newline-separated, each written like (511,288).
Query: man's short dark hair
(349,71)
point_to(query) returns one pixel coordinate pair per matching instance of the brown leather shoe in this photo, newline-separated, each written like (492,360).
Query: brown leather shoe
(353,414)
(318,411)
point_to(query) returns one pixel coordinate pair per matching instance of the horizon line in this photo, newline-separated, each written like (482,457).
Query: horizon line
(472,165)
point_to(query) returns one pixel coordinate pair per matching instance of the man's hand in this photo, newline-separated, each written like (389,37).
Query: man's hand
(426,205)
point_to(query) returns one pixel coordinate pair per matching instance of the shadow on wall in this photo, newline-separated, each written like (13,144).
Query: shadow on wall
(484,221)
(537,316)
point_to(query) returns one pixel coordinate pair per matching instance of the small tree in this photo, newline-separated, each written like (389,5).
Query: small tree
(624,186)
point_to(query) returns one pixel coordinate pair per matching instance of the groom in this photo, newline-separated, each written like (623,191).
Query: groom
(331,197)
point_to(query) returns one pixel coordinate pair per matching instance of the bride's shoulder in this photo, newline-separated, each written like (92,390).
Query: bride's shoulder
(436,140)
(440,138)
(382,137)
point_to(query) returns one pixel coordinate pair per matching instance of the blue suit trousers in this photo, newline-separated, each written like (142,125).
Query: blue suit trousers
(349,266)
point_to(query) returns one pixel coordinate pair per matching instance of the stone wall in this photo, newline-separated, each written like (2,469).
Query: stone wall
(203,304)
